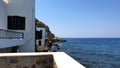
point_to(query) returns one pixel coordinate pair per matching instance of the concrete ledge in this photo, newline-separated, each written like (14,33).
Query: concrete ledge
(60,59)
(65,61)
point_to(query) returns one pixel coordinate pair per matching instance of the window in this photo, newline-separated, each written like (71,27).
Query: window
(39,43)
(16,23)
(39,34)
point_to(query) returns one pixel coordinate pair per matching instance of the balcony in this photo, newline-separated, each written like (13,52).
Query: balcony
(38,60)
(10,38)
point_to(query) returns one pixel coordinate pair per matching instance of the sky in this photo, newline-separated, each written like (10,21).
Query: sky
(80,18)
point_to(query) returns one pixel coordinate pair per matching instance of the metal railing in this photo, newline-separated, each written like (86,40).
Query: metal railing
(7,34)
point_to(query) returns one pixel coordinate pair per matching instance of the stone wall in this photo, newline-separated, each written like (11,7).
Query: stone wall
(42,61)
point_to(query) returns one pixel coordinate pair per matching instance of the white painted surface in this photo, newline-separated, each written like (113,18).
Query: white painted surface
(3,16)
(6,1)
(25,8)
(4,43)
(65,61)
(62,59)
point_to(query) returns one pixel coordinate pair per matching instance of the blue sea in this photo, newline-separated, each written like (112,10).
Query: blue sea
(94,52)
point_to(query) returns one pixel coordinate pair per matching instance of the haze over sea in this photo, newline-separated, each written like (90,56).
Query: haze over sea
(94,52)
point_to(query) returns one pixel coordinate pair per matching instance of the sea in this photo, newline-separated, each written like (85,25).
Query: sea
(93,52)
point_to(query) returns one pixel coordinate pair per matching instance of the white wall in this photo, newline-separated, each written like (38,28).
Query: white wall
(25,8)
(3,16)
(6,1)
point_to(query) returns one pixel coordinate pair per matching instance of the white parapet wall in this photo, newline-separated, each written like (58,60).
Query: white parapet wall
(61,60)
(5,43)
(65,61)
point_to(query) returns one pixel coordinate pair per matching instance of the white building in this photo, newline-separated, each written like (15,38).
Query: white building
(41,34)
(17,25)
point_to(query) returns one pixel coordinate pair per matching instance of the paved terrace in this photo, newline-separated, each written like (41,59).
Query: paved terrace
(38,60)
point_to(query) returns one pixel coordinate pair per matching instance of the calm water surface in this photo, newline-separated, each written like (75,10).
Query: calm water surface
(94,52)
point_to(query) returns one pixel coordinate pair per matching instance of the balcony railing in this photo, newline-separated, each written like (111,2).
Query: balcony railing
(7,34)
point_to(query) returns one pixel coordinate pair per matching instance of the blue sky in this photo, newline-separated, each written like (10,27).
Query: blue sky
(80,18)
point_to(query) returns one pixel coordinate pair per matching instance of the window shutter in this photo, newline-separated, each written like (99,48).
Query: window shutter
(39,34)
(10,22)
(23,23)
(16,23)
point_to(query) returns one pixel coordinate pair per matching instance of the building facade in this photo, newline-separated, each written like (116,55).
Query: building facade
(17,25)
